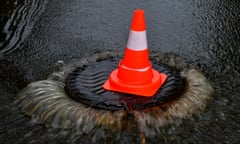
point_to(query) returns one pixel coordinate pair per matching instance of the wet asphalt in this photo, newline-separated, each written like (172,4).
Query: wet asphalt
(205,34)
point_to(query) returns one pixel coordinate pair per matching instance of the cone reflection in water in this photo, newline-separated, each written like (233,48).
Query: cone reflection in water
(135,74)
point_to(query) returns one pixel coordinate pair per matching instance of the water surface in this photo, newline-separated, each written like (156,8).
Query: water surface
(36,34)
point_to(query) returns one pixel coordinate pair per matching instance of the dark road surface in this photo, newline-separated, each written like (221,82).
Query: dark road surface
(205,34)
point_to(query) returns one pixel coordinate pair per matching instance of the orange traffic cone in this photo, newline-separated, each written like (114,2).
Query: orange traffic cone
(135,74)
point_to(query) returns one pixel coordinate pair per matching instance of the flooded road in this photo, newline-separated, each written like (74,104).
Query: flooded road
(34,35)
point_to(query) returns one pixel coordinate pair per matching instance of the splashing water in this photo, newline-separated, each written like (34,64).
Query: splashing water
(47,103)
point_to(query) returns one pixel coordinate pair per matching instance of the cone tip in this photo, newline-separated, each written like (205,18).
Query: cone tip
(138,21)
(138,11)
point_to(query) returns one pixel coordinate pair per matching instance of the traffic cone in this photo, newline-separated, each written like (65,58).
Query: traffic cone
(135,74)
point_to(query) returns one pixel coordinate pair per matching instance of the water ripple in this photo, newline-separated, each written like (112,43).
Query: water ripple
(17,18)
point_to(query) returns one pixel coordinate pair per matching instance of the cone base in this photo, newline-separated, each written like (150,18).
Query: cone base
(147,90)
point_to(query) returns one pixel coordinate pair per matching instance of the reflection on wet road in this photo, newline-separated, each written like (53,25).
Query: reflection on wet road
(17,18)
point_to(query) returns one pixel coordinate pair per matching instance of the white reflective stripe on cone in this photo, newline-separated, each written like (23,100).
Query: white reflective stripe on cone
(137,40)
